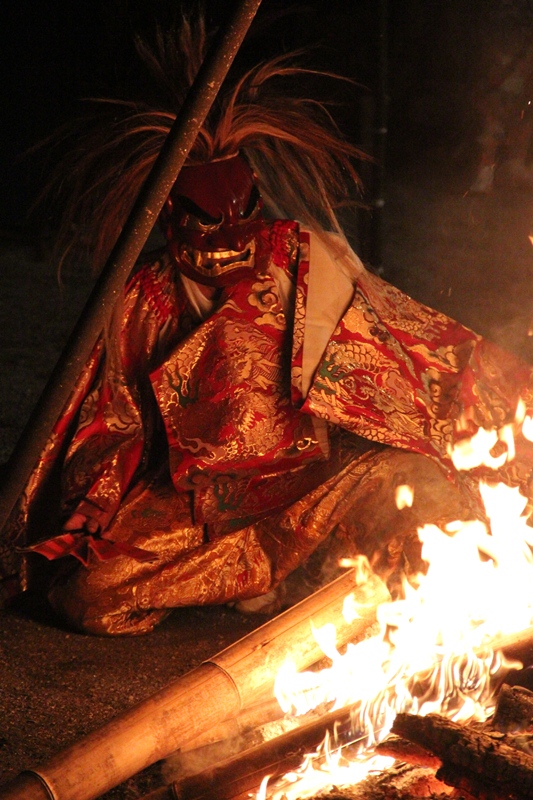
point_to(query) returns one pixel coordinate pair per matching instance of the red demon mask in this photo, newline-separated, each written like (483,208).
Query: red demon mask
(213,221)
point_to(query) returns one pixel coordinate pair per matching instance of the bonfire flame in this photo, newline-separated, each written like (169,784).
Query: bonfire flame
(435,651)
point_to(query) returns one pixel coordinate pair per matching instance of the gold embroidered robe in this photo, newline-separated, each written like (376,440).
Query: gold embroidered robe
(229,450)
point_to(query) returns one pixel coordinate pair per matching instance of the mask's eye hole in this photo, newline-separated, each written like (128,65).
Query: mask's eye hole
(196,218)
(253,206)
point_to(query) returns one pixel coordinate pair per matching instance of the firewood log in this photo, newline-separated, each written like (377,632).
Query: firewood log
(403,750)
(473,761)
(514,710)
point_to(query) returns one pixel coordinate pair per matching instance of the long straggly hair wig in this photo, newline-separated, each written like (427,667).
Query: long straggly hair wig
(303,165)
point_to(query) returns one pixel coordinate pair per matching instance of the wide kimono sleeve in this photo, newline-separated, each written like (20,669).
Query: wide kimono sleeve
(399,373)
(115,420)
(105,433)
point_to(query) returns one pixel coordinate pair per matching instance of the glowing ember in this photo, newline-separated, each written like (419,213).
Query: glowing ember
(435,650)
(404,497)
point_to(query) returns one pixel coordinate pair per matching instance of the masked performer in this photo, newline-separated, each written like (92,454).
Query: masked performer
(259,396)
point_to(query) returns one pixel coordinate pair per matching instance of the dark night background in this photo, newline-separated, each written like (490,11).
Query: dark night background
(54,52)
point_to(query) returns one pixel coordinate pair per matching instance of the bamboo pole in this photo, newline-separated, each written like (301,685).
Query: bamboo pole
(211,693)
(247,729)
(133,236)
(245,723)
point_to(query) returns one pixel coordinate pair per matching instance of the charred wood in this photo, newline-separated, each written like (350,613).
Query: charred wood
(400,782)
(514,710)
(403,750)
(477,762)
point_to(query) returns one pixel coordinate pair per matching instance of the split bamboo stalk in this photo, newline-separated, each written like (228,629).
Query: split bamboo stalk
(249,728)
(213,692)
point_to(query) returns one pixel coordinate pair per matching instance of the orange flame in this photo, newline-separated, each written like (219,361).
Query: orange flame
(433,652)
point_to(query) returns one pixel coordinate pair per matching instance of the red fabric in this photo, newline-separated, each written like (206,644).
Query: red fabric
(393,372)
(80,545)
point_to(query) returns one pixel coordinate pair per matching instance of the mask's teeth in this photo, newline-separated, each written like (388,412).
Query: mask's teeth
(212,262)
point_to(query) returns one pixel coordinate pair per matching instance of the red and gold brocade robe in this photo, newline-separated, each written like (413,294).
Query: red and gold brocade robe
(222,453)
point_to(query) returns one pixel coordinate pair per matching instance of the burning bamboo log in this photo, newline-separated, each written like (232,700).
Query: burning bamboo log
(237,779)
(210,694)
(243,773)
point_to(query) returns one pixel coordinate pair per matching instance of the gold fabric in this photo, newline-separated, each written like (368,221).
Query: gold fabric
(351,511)
(215,474)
